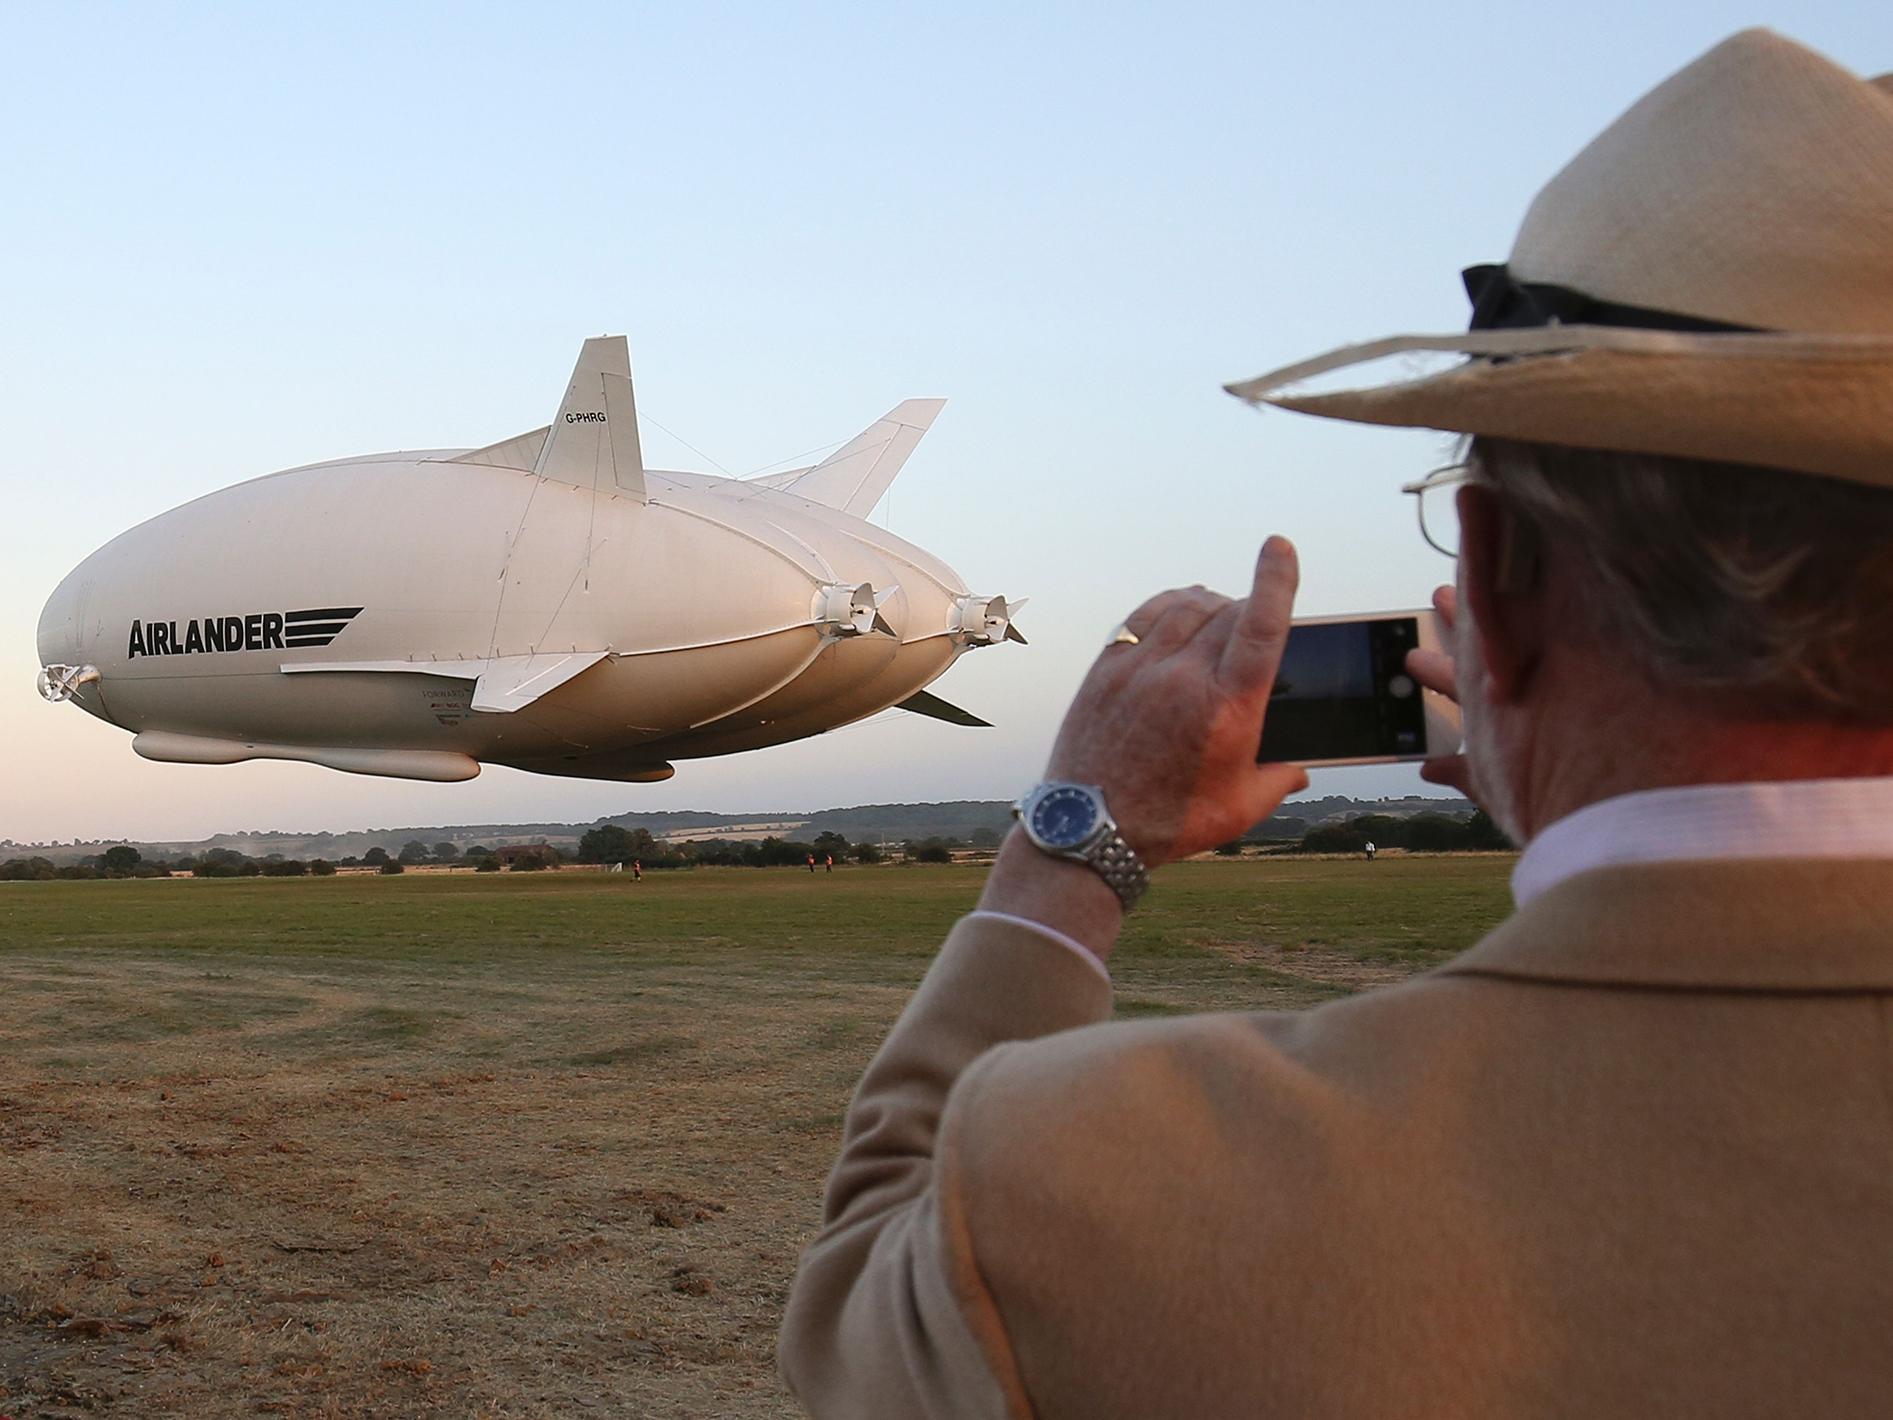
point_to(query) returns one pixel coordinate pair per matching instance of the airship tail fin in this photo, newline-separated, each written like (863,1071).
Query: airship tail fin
(594,438)
(592,441)
(854,477)
(923,702)
(520,451)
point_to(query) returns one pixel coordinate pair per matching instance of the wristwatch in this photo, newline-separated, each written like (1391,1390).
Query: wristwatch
(1070,821)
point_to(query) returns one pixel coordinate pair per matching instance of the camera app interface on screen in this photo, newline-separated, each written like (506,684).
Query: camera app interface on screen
(1343,693)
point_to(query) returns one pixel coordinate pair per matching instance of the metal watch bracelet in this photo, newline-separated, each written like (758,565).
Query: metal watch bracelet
(1118,864)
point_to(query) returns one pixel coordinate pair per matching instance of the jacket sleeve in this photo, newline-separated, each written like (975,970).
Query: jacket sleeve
(888,1314)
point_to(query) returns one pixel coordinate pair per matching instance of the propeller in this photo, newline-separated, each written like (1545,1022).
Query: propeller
(851,610)
(985,621)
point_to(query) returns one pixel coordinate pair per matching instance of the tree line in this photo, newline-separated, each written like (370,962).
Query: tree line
(124,861)
(611,843)
(1417,833)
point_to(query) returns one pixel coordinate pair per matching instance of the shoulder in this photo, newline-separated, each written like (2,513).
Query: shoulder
(1128,1078)
(1101,1128)
(1103,1180)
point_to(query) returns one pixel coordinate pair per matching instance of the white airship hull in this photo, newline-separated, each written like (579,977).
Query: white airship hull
(420,614)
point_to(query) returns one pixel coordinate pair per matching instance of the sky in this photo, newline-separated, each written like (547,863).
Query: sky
(242,238)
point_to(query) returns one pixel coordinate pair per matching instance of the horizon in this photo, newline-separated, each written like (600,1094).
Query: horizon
(761,815)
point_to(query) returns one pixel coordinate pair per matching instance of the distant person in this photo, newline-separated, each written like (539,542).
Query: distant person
(1631,1154)
(828,862)
(637,870)
(811,863)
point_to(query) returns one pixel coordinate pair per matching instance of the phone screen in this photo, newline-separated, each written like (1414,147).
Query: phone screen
(1343,692)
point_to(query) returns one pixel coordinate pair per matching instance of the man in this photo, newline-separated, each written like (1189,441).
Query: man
(1632,1153)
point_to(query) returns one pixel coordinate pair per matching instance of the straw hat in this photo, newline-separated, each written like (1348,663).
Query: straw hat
(1711,278)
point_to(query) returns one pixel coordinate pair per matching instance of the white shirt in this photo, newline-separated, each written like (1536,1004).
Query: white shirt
(1809,818)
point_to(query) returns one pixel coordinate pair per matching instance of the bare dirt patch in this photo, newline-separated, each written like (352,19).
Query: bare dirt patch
(397,1197)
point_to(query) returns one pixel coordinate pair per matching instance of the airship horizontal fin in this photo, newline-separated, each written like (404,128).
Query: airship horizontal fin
(514,682)
(500,683)
(594,438)
(854,477)
(452,670)
(923,703)
(784,479)
(520,451)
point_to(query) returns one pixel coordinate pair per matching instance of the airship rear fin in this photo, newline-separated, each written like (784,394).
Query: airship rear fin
(784,479)
(520,451)
(923,703)
(500,683)
(594,438)
(854,477)
(514,682)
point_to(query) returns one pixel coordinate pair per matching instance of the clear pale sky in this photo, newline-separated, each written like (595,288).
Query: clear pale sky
(243,238)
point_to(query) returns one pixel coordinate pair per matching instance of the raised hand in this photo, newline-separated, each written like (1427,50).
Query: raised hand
(1168,727)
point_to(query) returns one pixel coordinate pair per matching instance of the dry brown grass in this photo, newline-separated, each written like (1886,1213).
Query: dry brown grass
(222,1226)
(520,1181)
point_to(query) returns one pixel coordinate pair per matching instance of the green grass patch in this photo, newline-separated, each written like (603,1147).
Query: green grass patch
(483,967)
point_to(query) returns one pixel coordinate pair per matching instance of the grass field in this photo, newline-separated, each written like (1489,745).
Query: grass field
(511,1145)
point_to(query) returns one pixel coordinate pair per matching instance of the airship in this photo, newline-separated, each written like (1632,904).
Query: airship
(546,603)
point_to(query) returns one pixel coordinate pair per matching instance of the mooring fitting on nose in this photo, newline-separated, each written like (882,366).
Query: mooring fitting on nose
(57,683)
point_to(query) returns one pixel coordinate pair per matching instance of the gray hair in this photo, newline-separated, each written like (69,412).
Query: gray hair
(1769,592)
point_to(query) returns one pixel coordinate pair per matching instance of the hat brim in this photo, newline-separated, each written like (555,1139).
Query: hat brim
(1811,404)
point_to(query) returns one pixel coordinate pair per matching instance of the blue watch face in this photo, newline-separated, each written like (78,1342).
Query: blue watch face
(1064,818)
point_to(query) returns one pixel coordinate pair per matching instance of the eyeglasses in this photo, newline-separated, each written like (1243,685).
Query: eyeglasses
(1439,506)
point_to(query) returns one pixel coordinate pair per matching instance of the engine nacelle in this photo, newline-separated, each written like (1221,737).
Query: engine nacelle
(984,621)
(842,610)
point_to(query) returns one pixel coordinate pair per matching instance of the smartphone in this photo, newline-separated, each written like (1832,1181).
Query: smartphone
(1343,694)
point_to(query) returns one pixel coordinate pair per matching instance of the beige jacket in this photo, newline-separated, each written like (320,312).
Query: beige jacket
(1630,1155)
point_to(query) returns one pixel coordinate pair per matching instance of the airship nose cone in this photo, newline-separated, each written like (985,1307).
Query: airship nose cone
(60,632)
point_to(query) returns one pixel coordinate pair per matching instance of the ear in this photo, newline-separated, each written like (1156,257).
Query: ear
(1501,586)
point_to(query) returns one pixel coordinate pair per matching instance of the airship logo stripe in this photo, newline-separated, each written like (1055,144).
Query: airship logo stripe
(258,631)
(316,626)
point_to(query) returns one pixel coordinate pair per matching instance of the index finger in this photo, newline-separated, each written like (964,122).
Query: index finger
(1254,650)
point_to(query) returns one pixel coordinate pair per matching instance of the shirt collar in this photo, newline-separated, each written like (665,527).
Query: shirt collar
(1801,819)
(1779,925)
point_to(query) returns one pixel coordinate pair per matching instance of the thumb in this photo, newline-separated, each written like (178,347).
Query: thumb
(1272,783)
